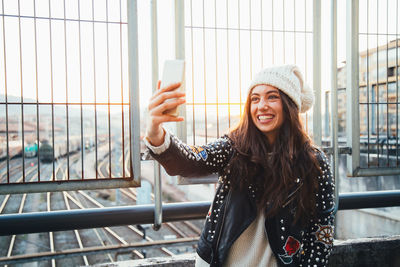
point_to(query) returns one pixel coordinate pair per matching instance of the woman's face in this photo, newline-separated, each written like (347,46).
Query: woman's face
(266,110)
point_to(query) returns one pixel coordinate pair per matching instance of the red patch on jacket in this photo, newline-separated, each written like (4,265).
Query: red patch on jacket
(291,246)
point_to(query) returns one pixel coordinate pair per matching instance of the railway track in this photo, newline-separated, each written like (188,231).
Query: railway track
(15,169)
(24,248)
(132,194)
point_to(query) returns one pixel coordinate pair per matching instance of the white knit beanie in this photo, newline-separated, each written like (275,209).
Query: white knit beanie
(289,80)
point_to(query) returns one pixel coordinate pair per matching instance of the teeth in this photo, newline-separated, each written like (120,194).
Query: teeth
(265,117)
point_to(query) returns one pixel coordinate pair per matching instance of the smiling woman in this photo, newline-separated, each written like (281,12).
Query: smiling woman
(275,189)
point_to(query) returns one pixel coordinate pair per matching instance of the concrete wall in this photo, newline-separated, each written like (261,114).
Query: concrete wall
(377,252)
(363,252)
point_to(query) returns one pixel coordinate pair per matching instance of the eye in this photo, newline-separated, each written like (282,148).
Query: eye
(254,98)
(273,96)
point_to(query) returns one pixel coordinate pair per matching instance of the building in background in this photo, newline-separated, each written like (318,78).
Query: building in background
(379,92)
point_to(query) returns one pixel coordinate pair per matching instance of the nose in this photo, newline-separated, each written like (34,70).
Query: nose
(263,104)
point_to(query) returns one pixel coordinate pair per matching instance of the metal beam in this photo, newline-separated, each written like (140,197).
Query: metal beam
(154,81)
(366,200)
(91,218)
(352,90)
(317,119)
(36,222)
(376,171)
(58,186)
(134,103)
(334,102)
(180,54)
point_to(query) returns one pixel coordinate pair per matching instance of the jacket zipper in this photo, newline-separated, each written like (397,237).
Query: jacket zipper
(290,197)
(223,220)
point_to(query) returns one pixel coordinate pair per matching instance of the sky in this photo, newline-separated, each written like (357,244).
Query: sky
(243,63)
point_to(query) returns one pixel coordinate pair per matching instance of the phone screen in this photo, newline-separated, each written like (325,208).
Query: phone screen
(173,72)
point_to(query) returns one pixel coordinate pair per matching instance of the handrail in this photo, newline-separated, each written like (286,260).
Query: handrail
(371,199)
(36,222)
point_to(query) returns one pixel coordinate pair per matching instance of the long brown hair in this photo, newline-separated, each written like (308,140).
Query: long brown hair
(276,169)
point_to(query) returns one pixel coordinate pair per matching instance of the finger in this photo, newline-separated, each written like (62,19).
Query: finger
(158,84)
(161,98)
(167,118)
(169,96)
(171,87)
(157,110)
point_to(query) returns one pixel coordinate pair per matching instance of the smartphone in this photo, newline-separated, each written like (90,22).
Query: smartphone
(173,72)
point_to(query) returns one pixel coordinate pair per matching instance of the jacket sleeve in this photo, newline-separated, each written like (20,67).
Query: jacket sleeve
(318,239)
(194,161)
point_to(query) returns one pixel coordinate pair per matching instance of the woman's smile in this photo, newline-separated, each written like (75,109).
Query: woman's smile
(265,118)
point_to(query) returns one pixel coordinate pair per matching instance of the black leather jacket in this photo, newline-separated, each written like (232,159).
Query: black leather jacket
(232,212)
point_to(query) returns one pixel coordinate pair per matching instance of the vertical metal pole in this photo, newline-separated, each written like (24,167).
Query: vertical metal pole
(327,112)
(334,98)
(80,94)
(180,54)
(397,88)
(205,76)
(273,31)
(94,91)
(192,58)
(6,94)
(134,103)
(305,48)
(216,63)
(262,34)
(387,85)
(352,123)
(122,90)
(317,128)
(37,93)
(240,63)
(52,99)
(227,63)
(154,68)
(284,32)
(66,86)
(294,32)
(377,85)
(368,92)
(250,43)
(109,95)
(22,92)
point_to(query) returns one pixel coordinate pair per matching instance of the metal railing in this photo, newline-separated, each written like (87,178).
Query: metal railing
(68,97)
(144,214)
(372,87)
(226,43)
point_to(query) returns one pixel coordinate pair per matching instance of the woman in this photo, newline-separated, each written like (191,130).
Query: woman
(275,200)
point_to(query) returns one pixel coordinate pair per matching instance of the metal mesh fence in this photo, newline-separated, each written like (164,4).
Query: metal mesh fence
(378,83)
(64,93)
(227,42)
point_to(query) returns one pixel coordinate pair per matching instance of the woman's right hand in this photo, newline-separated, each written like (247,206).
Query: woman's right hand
(156,108)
